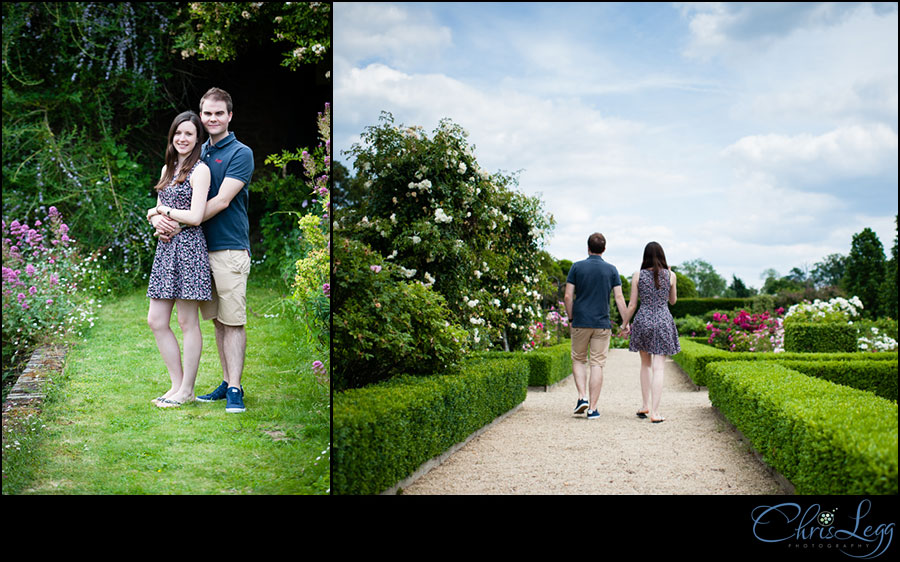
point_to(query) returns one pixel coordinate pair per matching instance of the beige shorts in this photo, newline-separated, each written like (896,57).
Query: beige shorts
(594,338)
(230,269)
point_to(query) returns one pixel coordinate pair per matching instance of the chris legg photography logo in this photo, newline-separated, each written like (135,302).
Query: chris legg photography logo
(820,528)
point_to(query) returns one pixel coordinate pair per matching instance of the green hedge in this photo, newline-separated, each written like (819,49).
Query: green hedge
(823,437)
(826,337)
(546,365)
(700,306)
(384,432)
(879,377)
(695,358)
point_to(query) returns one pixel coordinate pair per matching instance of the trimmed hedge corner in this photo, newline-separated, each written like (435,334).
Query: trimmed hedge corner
(879,377)
(695,358)
(825,438)
(384,432)
(549,365)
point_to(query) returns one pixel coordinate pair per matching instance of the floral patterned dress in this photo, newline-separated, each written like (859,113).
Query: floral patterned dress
(181,266)
(653,328)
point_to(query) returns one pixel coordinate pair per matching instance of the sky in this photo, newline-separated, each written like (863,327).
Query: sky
(751,136)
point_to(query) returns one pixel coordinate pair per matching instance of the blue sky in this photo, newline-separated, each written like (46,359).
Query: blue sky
(752,136)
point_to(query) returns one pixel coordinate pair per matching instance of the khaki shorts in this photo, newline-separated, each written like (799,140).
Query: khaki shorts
(595,338)
(230,269)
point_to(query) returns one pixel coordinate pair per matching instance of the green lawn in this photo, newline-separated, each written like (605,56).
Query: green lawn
(100,434)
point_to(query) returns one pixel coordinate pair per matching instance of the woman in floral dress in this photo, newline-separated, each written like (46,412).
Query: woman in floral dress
(653,332)
(180,276)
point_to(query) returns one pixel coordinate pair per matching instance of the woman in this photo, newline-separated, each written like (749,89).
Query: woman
(180,275)
(653,333)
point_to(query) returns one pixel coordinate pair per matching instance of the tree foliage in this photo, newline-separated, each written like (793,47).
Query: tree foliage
(865,270)
(218,30)
(708,282)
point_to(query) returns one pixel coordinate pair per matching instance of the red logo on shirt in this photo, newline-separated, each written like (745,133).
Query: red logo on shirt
(218,161)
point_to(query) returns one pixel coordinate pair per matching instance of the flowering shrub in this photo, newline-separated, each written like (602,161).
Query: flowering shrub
(837,309)
(446,223)
(840,310)
(873,340)
(312,290)
(386,325)
(219,30)
(747,332)
(49,290)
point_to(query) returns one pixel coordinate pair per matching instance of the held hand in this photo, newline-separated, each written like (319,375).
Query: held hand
(166,225)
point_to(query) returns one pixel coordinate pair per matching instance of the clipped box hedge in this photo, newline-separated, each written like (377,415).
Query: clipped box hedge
(383,433)
(879,377)
(827,337)
(546,365)
(823,437)
(695,358)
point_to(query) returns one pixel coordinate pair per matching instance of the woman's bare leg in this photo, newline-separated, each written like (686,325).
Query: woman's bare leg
(158,318)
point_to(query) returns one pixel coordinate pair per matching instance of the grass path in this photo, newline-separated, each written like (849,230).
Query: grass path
(100,434)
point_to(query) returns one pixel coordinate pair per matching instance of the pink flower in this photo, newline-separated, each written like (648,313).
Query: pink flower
(375,268)
(29,270)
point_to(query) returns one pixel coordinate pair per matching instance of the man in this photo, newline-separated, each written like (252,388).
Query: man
(587,304)
(227,230)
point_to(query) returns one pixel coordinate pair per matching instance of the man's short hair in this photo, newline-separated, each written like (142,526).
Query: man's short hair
(217,94)
(596,243)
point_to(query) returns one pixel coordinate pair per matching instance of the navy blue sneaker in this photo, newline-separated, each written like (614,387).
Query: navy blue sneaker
(217,394)
(593,414)
(234,400)
(580,407)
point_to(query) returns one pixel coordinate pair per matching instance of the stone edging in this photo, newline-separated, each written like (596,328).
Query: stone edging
(27,395)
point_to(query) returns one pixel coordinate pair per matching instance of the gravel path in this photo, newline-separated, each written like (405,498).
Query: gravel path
(542,448)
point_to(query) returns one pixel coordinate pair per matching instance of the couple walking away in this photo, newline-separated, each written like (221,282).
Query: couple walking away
(203,255)
(653,333)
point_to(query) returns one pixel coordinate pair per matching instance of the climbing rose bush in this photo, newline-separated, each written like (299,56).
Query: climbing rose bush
(443,221)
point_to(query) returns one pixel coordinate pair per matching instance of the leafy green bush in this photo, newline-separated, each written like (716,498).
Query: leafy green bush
(384,432)
(690,325)
(825,438)
(385,325)
(819,337)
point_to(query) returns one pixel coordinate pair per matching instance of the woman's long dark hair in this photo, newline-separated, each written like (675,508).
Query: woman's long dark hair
(172,155)
(655,259)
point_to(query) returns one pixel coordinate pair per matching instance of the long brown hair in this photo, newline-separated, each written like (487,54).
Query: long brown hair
(655,259)
(172,155)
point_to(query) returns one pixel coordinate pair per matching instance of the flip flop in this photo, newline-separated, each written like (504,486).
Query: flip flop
(660,420)
(167,403)
(642,415)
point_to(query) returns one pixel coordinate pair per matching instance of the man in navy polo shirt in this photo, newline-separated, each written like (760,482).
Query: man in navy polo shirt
(588,286)
(227,230)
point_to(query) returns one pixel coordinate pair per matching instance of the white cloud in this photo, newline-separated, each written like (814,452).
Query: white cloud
(851,151)
(736,157)
(380,30)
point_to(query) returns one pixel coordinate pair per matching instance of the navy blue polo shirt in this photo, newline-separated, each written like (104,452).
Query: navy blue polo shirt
(594,280)
(229,158)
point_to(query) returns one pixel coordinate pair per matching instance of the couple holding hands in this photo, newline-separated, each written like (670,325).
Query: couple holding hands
(653,331)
